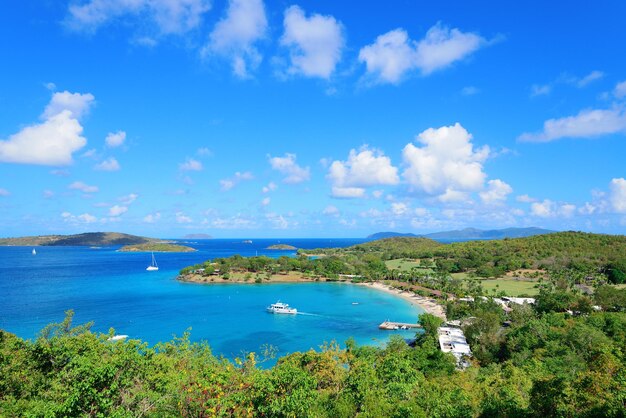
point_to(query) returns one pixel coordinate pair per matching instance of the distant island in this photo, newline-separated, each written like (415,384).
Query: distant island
(161,247)
(468,234)
(281,247)
(197,236)
(89,239)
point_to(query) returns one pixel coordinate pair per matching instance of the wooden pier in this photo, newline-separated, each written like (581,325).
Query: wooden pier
(388,325)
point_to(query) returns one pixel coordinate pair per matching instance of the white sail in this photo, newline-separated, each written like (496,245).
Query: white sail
(34,252)
(153,266)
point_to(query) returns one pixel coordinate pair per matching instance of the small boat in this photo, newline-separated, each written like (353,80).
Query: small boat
(281,308)
(117,338)
(247,241)
(153,266)
(34,252)
(355,303)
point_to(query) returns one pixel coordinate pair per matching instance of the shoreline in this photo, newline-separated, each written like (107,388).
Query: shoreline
(429,305)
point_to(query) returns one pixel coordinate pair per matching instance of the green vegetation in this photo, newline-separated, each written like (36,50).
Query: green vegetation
(97,239)
(543,363)
(162,247)
(281,247)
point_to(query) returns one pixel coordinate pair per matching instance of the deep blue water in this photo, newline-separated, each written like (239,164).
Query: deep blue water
(113,289)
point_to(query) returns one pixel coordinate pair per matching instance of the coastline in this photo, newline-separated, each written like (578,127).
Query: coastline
(429,305)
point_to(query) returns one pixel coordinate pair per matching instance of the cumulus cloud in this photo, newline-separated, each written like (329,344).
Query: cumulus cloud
(128,199)
(446,164)
(287,165)
(618,195)
(117,210)
(496,192)
(265,201)
(110,164)
(53,141)
(152,218)
(85,188)
(394,54)
(331,210)
(399,208)
(231,182)
(588,123)
(191,165)
(367,167)
(83,218)
(525,199)
(548,209)
(271,186)
(347,192)
(181,218)
(235,35)
(115,139)
(315,43)
(167,16)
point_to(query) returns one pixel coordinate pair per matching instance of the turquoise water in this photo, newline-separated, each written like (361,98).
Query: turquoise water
(114,290)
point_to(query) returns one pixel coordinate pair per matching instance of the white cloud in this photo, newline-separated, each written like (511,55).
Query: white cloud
(115,139)
(83,218)
(48,194)
(592,76)
(117,210)
(315,44)
(191,165)
(393,54)
(181,218)
(79,185)
(4,192)
(271,186)
(76,103)
(525,199)
(586,124)
(399,208)
(167,16)
(109,164)
(378,193)
(618,195)
(549,209)
(368,167)
(265,201)
(152,217)
(347,192)
(229,183)
(331,210)
(277,221)
(235,35)
(53,141)
(446,164)
(620,90)
(497,192)
(128,199)
(287,165)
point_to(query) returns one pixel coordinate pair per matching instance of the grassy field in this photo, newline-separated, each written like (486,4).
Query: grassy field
(510,287)
(403,264)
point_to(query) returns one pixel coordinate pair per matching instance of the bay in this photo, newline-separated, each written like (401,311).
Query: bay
(114,290)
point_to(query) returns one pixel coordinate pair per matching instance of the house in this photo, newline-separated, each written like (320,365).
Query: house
(452,340)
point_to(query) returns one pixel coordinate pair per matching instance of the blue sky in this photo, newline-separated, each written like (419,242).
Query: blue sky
(246,118)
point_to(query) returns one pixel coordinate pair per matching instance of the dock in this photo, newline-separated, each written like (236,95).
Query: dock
(388,325)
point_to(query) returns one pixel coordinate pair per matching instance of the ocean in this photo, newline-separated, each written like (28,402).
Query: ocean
(114,290)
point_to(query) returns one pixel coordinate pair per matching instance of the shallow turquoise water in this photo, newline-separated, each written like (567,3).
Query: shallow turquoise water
(114,290)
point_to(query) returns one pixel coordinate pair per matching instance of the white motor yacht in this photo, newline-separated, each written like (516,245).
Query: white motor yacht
(281,308)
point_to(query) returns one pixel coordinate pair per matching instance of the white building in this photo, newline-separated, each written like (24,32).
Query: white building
(452,340)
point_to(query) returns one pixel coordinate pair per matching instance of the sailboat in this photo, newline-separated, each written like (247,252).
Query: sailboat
(34,252)
(153,266)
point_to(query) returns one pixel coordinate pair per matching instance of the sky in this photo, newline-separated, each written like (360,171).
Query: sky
(251,118)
